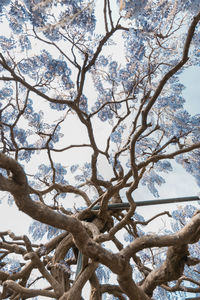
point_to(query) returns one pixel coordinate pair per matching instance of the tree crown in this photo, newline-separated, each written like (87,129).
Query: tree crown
(91,108)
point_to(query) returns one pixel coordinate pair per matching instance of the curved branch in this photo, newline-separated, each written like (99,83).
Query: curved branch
(189,234)
(9,284)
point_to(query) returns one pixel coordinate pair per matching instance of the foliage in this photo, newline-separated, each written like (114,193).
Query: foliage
(91,104)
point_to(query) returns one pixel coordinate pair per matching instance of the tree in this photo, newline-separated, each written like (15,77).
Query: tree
(91,107)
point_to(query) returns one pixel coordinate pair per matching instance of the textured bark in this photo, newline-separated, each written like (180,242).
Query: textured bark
(170,270)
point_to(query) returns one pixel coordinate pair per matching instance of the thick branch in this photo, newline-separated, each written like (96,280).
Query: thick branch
(187,235)
(9,284)
(170,270)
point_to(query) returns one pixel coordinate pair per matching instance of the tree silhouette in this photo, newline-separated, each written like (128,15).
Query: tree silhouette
(91,107)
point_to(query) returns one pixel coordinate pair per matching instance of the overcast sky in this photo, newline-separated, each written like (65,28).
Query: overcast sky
(178,183)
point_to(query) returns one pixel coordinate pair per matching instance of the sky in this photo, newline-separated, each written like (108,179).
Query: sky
(178,183)
(12,218)
(190,78)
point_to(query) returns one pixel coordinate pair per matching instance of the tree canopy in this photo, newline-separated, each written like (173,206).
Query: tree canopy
(91,107)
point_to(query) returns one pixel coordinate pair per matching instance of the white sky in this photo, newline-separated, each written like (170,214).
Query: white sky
(175,185)
(178,183)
